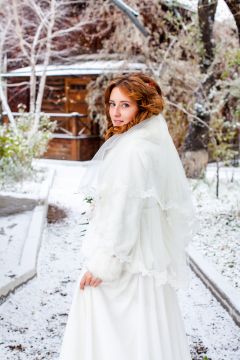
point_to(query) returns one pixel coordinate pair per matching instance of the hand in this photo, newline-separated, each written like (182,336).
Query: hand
(89,279)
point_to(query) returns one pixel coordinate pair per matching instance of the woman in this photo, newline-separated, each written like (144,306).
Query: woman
(125,305)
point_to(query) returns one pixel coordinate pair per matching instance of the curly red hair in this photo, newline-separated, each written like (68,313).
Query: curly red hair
(141,88)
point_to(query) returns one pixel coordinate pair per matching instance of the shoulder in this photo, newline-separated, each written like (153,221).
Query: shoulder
(132,148)
(127,157)
(143,142)
(150,133)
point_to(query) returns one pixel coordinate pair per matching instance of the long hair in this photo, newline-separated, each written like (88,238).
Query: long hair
(141,88)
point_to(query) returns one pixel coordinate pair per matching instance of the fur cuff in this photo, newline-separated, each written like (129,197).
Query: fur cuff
(104,266)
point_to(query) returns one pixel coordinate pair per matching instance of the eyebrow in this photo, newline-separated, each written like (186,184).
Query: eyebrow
(121,101)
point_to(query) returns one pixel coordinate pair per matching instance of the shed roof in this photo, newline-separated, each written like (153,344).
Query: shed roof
(81,68)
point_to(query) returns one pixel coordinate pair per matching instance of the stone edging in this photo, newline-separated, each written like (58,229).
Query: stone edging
(216,283)
(27,267)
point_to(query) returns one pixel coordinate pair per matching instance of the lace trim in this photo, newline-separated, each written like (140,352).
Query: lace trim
(98,193)
(162,278)
(185,210)
(143,194)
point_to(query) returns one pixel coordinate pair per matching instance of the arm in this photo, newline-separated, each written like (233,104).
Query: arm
(116,221)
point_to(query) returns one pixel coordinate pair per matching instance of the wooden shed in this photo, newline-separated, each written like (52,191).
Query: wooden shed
(77,136)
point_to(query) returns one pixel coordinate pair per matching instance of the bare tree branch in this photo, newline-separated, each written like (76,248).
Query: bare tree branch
(23,44)
(45,64)
(198,120)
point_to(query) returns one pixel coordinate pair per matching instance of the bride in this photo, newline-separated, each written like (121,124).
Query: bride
(125,304)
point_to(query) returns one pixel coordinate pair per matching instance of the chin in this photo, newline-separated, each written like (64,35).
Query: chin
(118,125)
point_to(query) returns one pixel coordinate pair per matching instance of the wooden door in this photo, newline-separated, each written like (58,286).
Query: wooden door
(75,90)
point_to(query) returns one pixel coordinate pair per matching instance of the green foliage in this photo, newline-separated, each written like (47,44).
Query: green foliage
(18,148)
(222,133)
(231,64)
(88,199)
(235,60)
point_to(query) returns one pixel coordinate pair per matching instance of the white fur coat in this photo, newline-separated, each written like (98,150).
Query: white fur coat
(143,217)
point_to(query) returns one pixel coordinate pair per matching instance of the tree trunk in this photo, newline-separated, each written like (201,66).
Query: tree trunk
(234,7)
(6,108)
(217,179)
(206,13)
(195,157)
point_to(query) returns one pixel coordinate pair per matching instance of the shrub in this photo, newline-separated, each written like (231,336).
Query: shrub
(18,148)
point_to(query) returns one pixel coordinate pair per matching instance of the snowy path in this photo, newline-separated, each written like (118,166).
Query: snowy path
(32,320)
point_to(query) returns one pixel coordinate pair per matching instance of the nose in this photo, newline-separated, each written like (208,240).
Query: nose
(116,111)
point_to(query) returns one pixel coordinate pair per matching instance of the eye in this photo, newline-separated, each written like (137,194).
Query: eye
(125,105)
(111,104)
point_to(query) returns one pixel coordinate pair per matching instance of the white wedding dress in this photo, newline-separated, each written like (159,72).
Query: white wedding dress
(135,242)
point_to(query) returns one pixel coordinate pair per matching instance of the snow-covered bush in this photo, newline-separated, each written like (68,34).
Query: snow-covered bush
(18,147)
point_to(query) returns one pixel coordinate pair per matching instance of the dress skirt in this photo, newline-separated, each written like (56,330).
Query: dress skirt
(126,319)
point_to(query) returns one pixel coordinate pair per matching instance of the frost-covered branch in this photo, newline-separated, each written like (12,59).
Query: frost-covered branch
(45,64)
(179,107)
(25,47)
(4,30)
(6,107)
(33,79)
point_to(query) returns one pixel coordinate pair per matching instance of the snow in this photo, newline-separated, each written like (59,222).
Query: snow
(13,230)
(30,187)
(81,68)
(207,323)
(34,317)
(219,231)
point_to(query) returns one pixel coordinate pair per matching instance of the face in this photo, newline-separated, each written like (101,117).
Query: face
(122,109)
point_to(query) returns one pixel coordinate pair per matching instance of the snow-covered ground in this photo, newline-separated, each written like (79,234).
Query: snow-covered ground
(218,237)
(30,187)
(13,230)
(32,320)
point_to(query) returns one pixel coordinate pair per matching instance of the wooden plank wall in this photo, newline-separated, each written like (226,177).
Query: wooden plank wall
(73,149)
(63,94)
